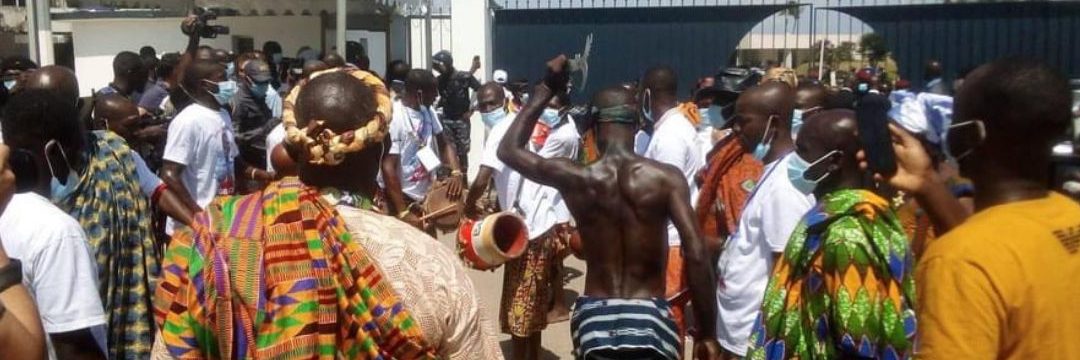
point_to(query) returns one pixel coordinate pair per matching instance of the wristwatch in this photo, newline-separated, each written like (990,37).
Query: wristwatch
(10,275)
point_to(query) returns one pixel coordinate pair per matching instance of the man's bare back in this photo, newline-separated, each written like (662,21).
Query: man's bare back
(622,205)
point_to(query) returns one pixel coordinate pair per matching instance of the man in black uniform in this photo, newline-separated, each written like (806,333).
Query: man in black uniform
(454,100)
(252,118)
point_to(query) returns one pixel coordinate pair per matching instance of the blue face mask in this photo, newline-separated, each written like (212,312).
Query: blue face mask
(863,88)
(9,84)
(230,70)
(550,117)
(57,191)
(706,121)
(260,90)
(797,168)
(492,118)
(716,116)
(763,146)
(225,93)
(796,122)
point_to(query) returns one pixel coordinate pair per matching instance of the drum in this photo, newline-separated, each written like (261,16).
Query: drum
(440,210)
(487,243)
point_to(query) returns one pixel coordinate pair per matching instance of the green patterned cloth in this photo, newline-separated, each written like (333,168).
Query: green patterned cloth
(844,287)
(115,214)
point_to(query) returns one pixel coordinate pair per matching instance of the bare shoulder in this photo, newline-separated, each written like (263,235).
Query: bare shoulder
(654,171)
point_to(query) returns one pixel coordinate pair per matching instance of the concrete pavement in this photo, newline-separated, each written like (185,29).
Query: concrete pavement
(556,339)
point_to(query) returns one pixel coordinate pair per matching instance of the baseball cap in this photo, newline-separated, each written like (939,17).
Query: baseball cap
(499,76)
(258,70)
(443,57)
(731,82)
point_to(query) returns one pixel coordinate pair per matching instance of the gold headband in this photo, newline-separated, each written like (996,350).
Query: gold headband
(325,146)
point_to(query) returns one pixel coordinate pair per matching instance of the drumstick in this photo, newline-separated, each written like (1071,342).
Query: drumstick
(446,210)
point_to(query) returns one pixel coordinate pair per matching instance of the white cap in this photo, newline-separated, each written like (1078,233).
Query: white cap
(499,76)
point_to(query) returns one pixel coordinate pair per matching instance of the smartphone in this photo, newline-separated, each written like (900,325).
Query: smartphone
(874,136)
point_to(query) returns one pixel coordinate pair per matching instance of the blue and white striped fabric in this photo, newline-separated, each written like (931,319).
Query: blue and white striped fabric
(623,329)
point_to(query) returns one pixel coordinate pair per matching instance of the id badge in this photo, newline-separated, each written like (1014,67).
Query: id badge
(428,159)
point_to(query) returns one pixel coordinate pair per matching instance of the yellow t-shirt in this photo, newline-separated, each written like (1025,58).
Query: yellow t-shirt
(1004,285)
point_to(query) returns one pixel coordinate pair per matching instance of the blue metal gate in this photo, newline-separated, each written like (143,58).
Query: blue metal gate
(964,35)
(695,41)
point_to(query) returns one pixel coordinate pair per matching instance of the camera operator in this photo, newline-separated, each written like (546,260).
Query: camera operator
(201,156)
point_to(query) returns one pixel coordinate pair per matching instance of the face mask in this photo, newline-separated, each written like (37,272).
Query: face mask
(716,116)
(797,168)
(226,90)
(763,147)
(646,105)
(230,70)
(259,90)
(863,87)
(550,117)
(492,118)
(796,122)
(58,191)
(703,114)
(951,133)
(276,58)
(9,84)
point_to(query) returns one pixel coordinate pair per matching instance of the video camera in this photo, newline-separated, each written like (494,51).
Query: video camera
(202,26)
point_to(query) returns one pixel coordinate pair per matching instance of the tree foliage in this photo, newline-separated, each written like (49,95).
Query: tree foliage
(872,47)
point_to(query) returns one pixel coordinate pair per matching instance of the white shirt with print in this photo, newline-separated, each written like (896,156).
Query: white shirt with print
(410,131)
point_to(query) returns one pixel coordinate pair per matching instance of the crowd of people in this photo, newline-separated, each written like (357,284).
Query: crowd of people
(207,204)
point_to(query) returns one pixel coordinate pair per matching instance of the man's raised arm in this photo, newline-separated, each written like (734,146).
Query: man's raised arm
(514,151)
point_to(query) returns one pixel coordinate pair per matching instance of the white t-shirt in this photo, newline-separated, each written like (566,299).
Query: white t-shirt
(503,175)
(57,265)
(544,206)
(705,142)
(202,140)
(675,143)
(273,139)
(411,131)
(767,222)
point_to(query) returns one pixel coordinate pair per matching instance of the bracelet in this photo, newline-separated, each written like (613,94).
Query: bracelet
(158,191)
(456,173)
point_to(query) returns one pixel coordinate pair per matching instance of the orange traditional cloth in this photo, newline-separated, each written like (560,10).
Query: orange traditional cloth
(589,150)
(675,291)
(690,111)
(730,176)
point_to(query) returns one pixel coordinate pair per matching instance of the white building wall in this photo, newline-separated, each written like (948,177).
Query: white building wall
(97,41)
(440,40)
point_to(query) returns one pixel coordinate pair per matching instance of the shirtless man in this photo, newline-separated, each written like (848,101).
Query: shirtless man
(622,210)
